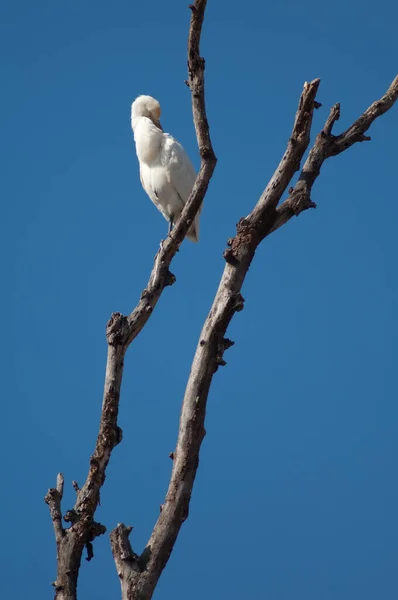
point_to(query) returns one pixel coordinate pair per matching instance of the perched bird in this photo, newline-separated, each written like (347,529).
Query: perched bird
(166,172)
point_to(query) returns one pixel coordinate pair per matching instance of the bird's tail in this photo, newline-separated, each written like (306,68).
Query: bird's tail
(193,231)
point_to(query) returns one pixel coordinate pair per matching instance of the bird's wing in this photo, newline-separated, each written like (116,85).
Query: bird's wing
(181,171)
(181,175)
(146,177)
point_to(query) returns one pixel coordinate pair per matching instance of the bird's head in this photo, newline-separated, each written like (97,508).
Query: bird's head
(146,106)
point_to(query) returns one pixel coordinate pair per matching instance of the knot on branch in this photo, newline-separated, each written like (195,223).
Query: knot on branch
(230,257)
(115,329)
(53,497)
(238,302)
(196,64)
(71,516)
(93,530)
(299,199)
(228,343)
(185,513)
(164,276)
(90,551)
(246,236)
(206,153)
(222,345)
(363,138)
(96,529)
(94,464)
(57,586)
(170,279)
(110,434)
(118,436)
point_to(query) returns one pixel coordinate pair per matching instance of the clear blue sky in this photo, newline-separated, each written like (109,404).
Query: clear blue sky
(297,492)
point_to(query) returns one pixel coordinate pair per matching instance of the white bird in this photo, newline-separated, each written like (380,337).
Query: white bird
(166,172)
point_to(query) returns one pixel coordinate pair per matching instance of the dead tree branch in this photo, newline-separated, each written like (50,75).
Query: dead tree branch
(120,332)
(327,145)
(207,359)
(139,574)
(53,499)
(209,356)
(265,218)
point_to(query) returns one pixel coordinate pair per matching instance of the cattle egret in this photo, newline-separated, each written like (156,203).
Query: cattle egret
(166,172)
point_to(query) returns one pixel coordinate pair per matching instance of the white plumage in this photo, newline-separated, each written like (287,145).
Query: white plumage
(166,172)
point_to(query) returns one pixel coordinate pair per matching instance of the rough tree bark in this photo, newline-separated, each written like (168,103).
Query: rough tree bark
(139,574)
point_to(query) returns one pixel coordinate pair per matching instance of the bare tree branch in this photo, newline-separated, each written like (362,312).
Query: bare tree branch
(355,133)
(290,163)
(127,562)
(327,145)
(208,357)
(264,219)
(53,498)
(139,574)
(120,332)
(185,459)
(332,118)
(142,573)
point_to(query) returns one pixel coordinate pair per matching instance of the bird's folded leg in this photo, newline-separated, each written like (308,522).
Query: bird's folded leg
(171,225)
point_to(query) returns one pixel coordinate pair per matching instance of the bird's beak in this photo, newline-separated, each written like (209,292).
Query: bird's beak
(157,123)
